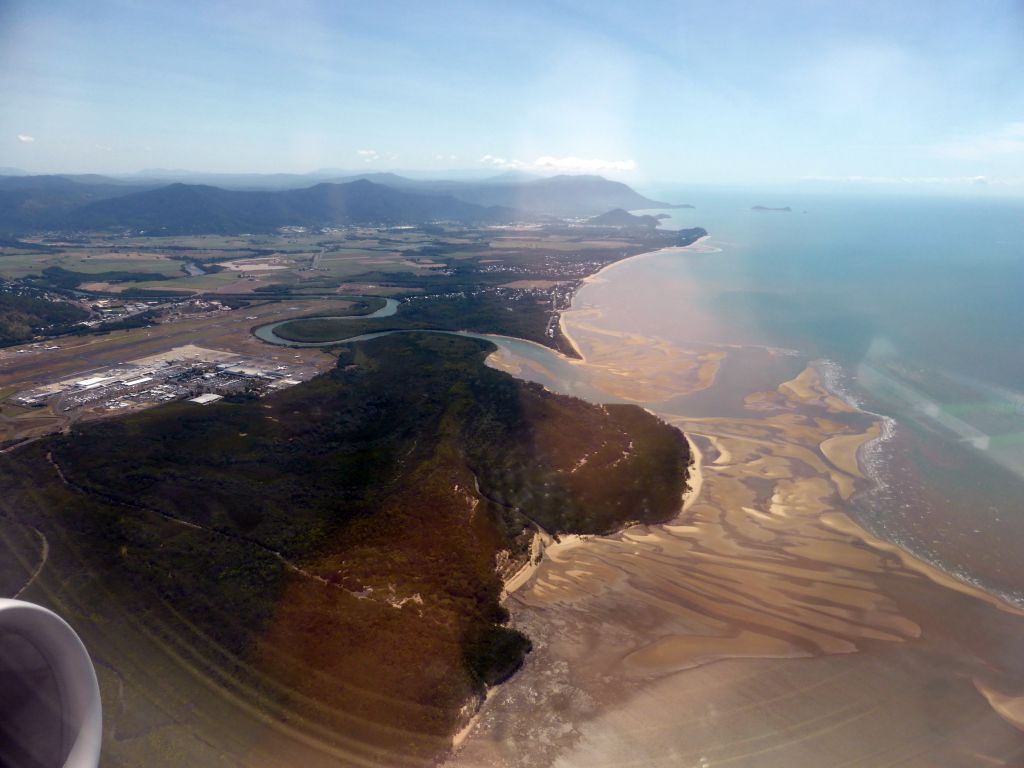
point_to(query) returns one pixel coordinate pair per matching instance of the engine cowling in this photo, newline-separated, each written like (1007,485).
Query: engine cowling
(50,711)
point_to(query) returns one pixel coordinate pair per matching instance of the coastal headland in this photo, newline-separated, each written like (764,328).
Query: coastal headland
(761,627)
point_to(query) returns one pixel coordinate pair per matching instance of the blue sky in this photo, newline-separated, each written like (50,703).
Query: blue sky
(895,93)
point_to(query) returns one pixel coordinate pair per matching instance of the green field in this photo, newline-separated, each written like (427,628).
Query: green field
(337,263)
(210,282)
(430,261)
(14,266)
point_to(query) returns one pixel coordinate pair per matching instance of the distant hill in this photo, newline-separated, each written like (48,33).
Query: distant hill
(619,217)
(569,196)
(233,180)
(559,195)
(180,209)
(509,177)
(264,202)
(54,183)
(41,202)
(565,196)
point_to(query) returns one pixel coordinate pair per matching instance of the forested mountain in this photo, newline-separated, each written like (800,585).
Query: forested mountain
(257,203)
(40,202)
(197,209)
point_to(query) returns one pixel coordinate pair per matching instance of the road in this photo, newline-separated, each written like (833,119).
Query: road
(43,557)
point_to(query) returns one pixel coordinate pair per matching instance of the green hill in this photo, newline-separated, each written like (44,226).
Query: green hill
(179,209)
(323,554)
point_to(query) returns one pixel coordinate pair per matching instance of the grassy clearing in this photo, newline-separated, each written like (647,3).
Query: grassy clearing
(199,283)
(14,267)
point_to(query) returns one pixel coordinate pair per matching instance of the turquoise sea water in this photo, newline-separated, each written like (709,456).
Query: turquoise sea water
(914,307)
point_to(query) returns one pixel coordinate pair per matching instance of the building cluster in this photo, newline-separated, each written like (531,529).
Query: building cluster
(108,310)
(150,382)
(105,310)
(191,308)
(561,267)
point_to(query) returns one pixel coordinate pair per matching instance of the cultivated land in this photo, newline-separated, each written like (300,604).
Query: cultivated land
(300,260)
(94,301)
(401,258)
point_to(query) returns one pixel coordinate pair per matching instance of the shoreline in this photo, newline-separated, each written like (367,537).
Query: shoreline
(829,374)
(695,476)
(607,268)
(544,544)
(787,579)
(656,624)
(868,457)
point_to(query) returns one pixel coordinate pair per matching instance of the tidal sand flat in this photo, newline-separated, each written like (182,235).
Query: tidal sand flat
(761,627)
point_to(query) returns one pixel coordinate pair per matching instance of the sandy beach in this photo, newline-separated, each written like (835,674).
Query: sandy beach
(760,627)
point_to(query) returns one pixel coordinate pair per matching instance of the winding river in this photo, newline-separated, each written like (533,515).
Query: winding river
(266,332)
(531,361)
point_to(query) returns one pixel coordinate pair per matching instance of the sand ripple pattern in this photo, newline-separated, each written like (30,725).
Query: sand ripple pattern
(762,626)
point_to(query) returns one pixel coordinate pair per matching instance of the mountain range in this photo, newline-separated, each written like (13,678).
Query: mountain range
(92,202)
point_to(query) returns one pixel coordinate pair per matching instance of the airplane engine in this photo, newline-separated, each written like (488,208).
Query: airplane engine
(50,713)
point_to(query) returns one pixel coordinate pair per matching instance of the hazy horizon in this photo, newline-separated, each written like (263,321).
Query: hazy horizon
(664,189)
(926,95)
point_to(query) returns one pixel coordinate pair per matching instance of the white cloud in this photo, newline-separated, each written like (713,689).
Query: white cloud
(501,162)
(368,155)
(562,164)
(583,164)
(26,139)
(1007,140)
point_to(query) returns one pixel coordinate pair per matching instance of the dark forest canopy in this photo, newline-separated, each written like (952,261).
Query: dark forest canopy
(24,314)
(349,525)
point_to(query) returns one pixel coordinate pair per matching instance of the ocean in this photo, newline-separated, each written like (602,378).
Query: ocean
(850,364)
(911,307)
